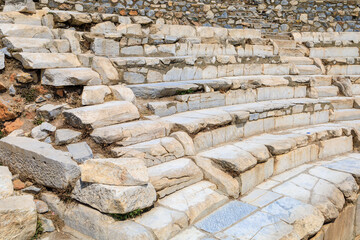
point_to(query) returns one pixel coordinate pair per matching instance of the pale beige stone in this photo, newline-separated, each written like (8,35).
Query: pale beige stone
(115,171)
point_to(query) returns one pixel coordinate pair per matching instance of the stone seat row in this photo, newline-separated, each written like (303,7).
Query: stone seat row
(313,193)
(228,121)
(326,37)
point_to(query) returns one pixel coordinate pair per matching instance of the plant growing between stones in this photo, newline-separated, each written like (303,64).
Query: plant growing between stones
(37,121)
(29,94)
(39,230)
(126,216)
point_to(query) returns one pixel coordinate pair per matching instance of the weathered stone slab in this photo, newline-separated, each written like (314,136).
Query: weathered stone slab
(335,146)
(112,171)
(224,181)
(47,60)
(130,133)
(235,159)
(70,77)
(196,200)
(306,219)
(344,181)
(24,6)
(191,233)
(260,225)
(92,95)
(153,152)
(6,185)
(114,199)
(260,197)
(107,71)
(38,161)
(80,152)
(165,223)
(170,176)
(17,217)
(225,216)
(65,136)
(25,31)
(101,115)
(349,165)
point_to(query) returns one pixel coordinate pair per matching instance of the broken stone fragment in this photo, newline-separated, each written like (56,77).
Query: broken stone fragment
(115,171)
(38,161)
(17,217)
(115,199)
(24,6)
(80,151)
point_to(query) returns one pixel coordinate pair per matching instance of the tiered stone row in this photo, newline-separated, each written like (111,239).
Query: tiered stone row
(206,115)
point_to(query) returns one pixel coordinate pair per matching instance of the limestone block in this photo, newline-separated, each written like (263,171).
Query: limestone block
(94,94)
(253,177)
(196,201)
(165,223)
(186,141)
(104,27)
(101,115)
(70,77)
(335,146)
(47,60)
(276,69)
(152,152)
(225,216)
(343,226)
(131,133)
(134,78)
(25,31)
(65,136)
(17,217)
(6,185)
(237,160)
(114,199)
(122,93)
(105,47)
(294,158)
(73,37)
(344,181)
(112,171)
(38,161)
(306,219)
(132,51)
(27,6)
(170,176)
(106,70)
(225,183)
(259,225)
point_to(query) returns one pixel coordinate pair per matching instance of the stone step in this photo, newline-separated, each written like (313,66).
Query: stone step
(290,44)
(36,45)
(101,115)
(174,175)
(131,133)
(196,201)
(195,101)
(333,52)
(341,102)
(61,77)
(297,60)
(345,114)
(22,18)
(313,195)
(25,31)
(39,162)
(327,91)
(171,73)
(6,185)
(255,159)
(326,37)
(308,70)
(47,60)
(343,69)
(291,52)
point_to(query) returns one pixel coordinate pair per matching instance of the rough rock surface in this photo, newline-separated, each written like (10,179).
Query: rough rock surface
(38,161)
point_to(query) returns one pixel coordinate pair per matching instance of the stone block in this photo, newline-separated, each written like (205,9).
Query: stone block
(38,161)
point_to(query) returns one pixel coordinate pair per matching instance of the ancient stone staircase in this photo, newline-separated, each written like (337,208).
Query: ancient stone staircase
(227,134)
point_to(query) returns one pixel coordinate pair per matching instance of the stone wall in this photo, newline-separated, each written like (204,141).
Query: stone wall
(270,16)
